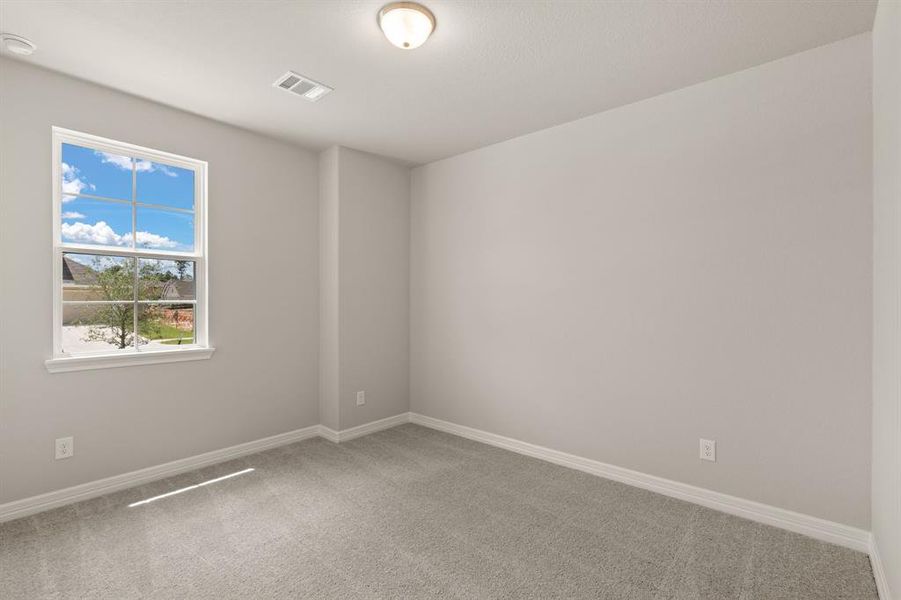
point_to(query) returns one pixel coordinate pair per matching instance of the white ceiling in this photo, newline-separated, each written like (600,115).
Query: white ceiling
(491,71)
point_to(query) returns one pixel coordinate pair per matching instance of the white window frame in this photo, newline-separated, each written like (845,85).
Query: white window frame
(200,349)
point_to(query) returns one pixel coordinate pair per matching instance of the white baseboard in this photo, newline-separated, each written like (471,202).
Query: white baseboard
(365,429)
(35,504)
(828,531)
(879,572)
(821,529)
(85,491)
(329,434)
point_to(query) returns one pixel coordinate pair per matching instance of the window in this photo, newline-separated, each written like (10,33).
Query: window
(129,255)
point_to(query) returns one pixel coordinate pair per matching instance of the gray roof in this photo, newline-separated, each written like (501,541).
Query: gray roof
(76,273)
(178,289)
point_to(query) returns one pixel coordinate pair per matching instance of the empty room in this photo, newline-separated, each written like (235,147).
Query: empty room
(496,299)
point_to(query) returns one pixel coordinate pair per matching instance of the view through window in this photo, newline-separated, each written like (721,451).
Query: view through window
(129,248)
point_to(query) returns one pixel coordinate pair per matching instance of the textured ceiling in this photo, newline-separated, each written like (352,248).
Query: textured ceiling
(492,70)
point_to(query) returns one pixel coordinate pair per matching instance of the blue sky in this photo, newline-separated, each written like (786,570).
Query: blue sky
(99,222)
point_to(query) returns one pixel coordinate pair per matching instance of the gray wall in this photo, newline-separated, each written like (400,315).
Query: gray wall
(694,265)
(328,288)
(887,289)
(263,241)
(366,256)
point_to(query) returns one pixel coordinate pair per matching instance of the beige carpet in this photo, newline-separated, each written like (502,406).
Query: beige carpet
(411,513)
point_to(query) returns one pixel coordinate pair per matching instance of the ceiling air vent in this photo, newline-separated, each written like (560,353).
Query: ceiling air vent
(304,87)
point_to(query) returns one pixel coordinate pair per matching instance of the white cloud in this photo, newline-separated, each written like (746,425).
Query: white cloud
(72,184)
(166,171)
(101,233)
(145,239)
(98,262)
(98,233)
(122,162)
(141,165)
(71,214)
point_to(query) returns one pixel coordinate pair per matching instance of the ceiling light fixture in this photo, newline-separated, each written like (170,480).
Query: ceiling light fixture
(407,25)
(17,44)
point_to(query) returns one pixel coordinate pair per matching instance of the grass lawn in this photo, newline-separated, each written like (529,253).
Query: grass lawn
(162,331)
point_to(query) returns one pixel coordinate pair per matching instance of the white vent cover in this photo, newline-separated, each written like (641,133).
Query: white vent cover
(304,87)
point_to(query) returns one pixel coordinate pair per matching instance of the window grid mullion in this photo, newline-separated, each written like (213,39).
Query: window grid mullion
(98,198)
(163,207)
(135,259)
(122,251)
(88,302)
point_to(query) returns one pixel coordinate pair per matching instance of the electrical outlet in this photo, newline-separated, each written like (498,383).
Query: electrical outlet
(361,398)
(708,450)
(65,448)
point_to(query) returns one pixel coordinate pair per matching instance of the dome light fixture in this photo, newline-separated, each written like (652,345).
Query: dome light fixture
(17,44)
(407,25)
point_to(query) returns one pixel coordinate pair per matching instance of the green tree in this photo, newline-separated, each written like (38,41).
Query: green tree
(113,323)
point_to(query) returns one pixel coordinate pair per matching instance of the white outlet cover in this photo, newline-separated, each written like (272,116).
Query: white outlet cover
(708,450)
(65,448)
(361,398)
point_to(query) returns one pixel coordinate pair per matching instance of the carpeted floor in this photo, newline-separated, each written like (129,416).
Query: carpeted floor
(411,513)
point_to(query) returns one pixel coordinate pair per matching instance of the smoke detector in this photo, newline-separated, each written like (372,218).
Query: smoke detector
(17,44)
(304,87)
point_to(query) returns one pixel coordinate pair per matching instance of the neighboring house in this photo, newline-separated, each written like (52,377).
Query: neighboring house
(172,290)
(77,275)
(78,284)
(177,289)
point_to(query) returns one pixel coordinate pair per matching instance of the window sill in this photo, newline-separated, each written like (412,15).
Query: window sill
(110,361)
